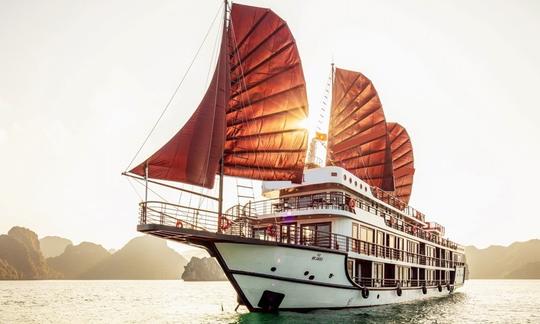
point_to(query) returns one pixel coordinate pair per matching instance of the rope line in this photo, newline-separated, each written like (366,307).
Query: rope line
(177,88)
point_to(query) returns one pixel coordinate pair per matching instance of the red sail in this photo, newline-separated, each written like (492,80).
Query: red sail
(402,160)
(265,139)
(192,155)
(357,139)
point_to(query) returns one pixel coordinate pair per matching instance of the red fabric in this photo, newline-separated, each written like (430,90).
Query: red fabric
(402,161)
(357,138)
(264,137)
(192,156)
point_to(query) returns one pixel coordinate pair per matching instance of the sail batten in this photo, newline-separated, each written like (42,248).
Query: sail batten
(358,139)
(251,114)
(268,99)
(402,160)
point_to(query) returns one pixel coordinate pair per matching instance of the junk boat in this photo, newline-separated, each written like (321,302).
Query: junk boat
(330,233)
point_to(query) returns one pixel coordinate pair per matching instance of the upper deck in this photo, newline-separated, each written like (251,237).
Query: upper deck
(335,189)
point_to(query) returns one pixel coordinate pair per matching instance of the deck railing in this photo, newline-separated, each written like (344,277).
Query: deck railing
(162,213)
(374,282)
(339,201)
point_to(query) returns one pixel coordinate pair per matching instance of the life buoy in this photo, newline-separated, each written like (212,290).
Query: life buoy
(271,230)
(439,287)
(424,290)
(225,223)
(365,292)
(179,224)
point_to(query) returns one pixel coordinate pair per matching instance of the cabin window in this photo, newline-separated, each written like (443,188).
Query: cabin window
(345,177)
(355,230)
(350,267)
(378,274)
(355,246)
(288,233)
(316,234)
(259,233)
(403,275)
(366,234)
(333,174)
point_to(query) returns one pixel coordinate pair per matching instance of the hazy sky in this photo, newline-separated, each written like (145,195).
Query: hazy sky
(82,82)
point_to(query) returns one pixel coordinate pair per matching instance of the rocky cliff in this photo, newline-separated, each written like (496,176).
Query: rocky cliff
(20,252)
(203,269)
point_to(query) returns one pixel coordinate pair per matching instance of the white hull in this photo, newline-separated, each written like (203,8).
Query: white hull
(254,269)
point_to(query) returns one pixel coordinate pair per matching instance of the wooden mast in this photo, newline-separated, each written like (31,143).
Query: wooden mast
(221,168)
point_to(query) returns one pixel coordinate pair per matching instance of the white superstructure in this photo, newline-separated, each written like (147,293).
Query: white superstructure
(330,242)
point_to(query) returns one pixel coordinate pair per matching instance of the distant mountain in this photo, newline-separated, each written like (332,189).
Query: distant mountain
(520,260)
(203,269)
(143,257)
(20,252)
(77,260)
(528,271)
(52,246)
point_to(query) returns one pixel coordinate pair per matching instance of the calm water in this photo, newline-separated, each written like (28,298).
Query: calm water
(480,301)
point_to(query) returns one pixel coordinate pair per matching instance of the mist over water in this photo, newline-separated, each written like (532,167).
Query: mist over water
(480,301)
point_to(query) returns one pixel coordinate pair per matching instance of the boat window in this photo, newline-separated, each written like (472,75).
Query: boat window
(317,234)
(345,177)
(366,234)
(333,174)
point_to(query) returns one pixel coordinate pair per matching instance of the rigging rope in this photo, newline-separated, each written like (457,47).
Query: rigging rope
(177,88)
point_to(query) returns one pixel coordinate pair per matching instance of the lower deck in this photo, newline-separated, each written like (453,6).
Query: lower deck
(270,275)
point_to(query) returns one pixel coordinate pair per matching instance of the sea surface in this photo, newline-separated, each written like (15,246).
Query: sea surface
(480,301)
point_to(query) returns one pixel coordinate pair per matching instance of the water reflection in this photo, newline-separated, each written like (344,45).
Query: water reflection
(436,310)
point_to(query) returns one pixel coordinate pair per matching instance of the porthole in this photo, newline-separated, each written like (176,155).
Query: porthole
(333,174)
(356,184)
(345,177)
(350,180)
(311,277)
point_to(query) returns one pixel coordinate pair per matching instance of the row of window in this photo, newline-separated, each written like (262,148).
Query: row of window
(381,238)
(362,187)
